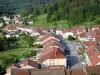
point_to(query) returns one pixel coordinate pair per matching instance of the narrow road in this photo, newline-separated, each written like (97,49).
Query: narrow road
(72,56)
(74,61)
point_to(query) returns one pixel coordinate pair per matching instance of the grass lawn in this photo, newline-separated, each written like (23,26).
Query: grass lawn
(18,51)
(41,22)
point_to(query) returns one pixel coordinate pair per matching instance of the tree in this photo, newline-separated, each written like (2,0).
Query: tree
(30,40)
(71,38)
(49,12)
(3,44)
(55,6)
(9,59)
(36,12)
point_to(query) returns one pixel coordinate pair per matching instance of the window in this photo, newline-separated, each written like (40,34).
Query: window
(50,64)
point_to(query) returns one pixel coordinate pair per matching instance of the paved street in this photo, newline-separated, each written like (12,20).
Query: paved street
(72,55)
(73,58)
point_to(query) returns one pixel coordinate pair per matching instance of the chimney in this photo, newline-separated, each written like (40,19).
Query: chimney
(55,54)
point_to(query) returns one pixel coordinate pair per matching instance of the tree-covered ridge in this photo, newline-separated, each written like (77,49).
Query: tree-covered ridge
(77,11)
(11,5)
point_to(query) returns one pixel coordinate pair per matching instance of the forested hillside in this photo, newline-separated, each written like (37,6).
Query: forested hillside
(7,6)
(77,11)
(73,11)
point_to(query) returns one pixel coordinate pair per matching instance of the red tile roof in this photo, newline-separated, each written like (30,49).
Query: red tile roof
(67,30)
(78,28)
(93,69)
(29,62)
(23,63)
(47,36)
(96,26)
(52,44)
(75,72)
(21,72)
(93,55)
(52,53)
(90,43)
(9,27)
(82,35)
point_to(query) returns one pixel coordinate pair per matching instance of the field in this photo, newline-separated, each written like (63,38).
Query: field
(42,22)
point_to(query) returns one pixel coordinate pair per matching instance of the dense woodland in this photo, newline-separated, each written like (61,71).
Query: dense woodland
(77,11)
(10,6)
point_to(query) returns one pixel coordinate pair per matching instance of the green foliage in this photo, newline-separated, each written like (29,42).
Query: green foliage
(71,38)
(8,60)
(3,44)
(36,12)
(2,21)
(38,46)
(92,73)
(23,12)
(83,50)
(29,54)
(77,11)
(26,41)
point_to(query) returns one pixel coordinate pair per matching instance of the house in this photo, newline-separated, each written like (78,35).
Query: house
(95,70)
(57,71)
(18,19)
(92,56)
(82,36)
(53,56)
(56,66)
(47,37)
(6,19)
(67,32)
(11,34)
(79,29)
(17,71)
(95,27)
(10,28)
(58,31)
(75,71)
(25,64)
(45,30)
(90,36)
(34,32)
(11,31)
(52,44)
(89,43)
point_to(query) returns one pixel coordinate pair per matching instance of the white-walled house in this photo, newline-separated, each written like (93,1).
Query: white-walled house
(66,33)
(11,35)
(82,36)
(95,27)
(10,28)
(7,20)
(59,31)
(52,57)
